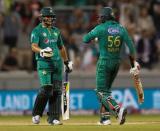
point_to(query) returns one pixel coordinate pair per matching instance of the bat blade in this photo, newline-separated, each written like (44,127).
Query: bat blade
(139,88)
(137,83)
(65,101)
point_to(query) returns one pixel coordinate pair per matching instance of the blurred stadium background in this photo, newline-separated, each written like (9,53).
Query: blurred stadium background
(19,80)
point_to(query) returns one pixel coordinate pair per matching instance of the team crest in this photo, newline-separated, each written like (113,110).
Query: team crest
(44,72)
(44,34)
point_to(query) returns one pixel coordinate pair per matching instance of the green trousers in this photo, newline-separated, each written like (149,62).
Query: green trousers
(106,72)
(50,73)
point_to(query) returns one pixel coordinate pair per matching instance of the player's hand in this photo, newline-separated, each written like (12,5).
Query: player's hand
(136,69)
(136,65)
(68,66)
(46,53)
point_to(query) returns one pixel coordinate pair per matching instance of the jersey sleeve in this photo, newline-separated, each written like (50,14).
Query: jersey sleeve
(60,41)
(91,35)
(128,41)
(34,37)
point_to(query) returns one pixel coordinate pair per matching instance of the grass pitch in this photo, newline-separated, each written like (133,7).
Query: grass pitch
(81,123)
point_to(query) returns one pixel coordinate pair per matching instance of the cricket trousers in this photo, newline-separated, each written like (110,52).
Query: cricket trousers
(50,91)
(106,72)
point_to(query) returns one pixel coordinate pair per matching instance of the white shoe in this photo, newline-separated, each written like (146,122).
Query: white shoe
(36,119)
(106,122)
(56,122)
(122,116)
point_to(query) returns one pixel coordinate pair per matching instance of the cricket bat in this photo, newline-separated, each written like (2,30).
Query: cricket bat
(65,98)
(138,85)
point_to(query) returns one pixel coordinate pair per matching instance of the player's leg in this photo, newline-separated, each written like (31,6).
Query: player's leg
(110,77)
(103,98)
(42,96)
(106,73)
(54,111)
(54,105)
(40,103)
(104,116)
(100,84)
(121,112)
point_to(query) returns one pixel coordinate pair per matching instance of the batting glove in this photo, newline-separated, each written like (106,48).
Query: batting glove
(136,69)
(68,66)
(46,53)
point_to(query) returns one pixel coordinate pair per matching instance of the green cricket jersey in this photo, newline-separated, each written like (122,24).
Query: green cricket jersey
(111,35)
(46,37)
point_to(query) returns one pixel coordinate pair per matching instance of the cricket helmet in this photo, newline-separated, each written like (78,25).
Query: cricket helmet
(106,13)
(47,12)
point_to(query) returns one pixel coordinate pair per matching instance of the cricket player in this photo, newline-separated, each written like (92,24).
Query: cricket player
(48,46)
(111,35)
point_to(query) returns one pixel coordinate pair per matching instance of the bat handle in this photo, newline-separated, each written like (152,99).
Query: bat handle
(66,76)
(131,61)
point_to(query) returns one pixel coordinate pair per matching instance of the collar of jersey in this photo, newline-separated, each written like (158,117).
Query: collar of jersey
(42,25)
(110,21)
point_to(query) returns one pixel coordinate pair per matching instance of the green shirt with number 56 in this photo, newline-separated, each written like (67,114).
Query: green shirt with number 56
(111,36)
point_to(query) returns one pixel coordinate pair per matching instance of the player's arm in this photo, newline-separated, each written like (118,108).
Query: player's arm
(46,52)
(35,48)
(132,56)
(130,44)
(64,53)
(68,64)
(91,35)
(34,41)
(134,67)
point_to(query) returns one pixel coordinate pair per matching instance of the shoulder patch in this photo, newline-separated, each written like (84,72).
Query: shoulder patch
(56,34)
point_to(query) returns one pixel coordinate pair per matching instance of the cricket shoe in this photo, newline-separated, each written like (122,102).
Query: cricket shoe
(36,119)
(122,116)
(105,122)
(56,122)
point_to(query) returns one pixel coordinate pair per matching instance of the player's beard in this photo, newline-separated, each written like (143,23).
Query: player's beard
(48,22)
(99,20)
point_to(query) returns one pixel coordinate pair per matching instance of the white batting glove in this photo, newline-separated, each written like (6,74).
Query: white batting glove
(68,66)
(46,52)
(136,64)
(136,69)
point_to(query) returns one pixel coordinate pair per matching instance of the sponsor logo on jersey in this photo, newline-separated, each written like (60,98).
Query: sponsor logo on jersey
(46,41)
(53,40)
(113,31)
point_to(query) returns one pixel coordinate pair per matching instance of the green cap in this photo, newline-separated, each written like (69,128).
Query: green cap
(47,11)
(107,12)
